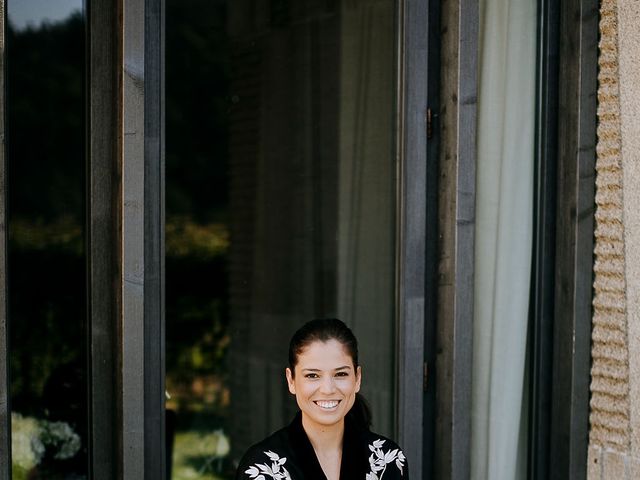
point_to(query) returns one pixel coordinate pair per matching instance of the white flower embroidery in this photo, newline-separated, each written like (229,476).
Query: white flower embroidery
(379,460)
(277,471)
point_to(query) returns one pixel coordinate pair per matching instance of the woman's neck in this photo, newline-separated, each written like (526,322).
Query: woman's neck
(327,444)
(324,438)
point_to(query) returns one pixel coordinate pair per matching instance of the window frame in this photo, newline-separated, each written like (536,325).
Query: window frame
(540,342)
(5,407)
(577,102)
(434,276)
(563,256)
(455,171)
(126,224)
(412,227)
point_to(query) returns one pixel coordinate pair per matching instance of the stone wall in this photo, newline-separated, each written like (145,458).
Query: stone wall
(614,440)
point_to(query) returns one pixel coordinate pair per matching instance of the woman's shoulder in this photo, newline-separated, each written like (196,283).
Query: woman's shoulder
(385,456)
(267,457)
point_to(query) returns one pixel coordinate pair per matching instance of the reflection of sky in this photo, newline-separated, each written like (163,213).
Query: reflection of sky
(23,13)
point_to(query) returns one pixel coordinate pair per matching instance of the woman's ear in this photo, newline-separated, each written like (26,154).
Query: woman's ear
(290,382)
(358,378)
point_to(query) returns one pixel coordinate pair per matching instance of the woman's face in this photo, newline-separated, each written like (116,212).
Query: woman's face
(325,383)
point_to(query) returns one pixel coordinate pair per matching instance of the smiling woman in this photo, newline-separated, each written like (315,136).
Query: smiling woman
(325,383)
(330,437)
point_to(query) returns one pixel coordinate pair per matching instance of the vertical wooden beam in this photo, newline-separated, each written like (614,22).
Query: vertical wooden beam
(143,241)
(459,64)
(154,138)
(104,236)
(412,150)
(465,237)
(574,246)
(133,237)
(5,410)
(126,240)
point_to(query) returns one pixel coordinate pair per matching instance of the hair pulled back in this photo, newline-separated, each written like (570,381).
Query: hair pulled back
(324,330)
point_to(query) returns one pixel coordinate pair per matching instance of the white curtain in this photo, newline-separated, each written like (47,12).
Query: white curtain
(503,237)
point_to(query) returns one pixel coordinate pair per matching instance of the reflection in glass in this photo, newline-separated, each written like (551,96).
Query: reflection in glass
(280,208)
(47,307)
(33,14)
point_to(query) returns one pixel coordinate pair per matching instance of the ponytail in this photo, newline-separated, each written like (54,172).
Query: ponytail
(360,413)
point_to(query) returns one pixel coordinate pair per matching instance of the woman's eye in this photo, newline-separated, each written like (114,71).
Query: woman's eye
(311,375)
(342,374)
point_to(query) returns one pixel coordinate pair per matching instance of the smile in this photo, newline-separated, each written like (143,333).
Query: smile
(327,404)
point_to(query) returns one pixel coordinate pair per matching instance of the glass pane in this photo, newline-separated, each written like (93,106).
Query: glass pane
(47,307)
(280,208)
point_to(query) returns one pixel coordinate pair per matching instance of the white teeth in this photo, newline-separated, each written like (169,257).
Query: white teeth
(327,404)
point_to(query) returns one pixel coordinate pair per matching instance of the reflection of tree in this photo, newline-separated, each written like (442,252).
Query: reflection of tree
(46,165)
(46,171)
(197,234)
(197,74)
(46,119)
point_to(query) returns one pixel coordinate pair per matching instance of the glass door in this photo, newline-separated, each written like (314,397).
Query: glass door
(281,200)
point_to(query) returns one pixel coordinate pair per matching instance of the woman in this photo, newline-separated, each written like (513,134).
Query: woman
(329,439)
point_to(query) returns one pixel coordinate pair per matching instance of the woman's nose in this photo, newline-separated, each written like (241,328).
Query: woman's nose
(327,385)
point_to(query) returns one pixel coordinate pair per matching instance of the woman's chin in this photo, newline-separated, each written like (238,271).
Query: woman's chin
(324,417)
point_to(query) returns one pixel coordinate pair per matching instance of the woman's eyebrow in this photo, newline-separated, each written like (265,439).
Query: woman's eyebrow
(346,367)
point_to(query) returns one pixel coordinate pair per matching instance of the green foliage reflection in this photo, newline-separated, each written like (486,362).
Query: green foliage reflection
(197,232)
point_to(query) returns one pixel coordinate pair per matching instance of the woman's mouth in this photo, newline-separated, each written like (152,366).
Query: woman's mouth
(327,404)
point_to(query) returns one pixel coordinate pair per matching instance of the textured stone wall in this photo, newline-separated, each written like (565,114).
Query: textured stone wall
(629,74)
(613,442)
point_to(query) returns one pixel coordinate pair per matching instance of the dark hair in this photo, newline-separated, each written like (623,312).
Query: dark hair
(324,330)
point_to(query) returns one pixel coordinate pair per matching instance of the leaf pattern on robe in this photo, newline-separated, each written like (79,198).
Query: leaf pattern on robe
(276,471)
(379,460)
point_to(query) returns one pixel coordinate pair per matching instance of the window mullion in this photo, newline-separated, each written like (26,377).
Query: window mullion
(5,412)
(104,239)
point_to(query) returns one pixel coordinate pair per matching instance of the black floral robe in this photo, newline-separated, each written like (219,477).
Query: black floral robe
(288,455)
